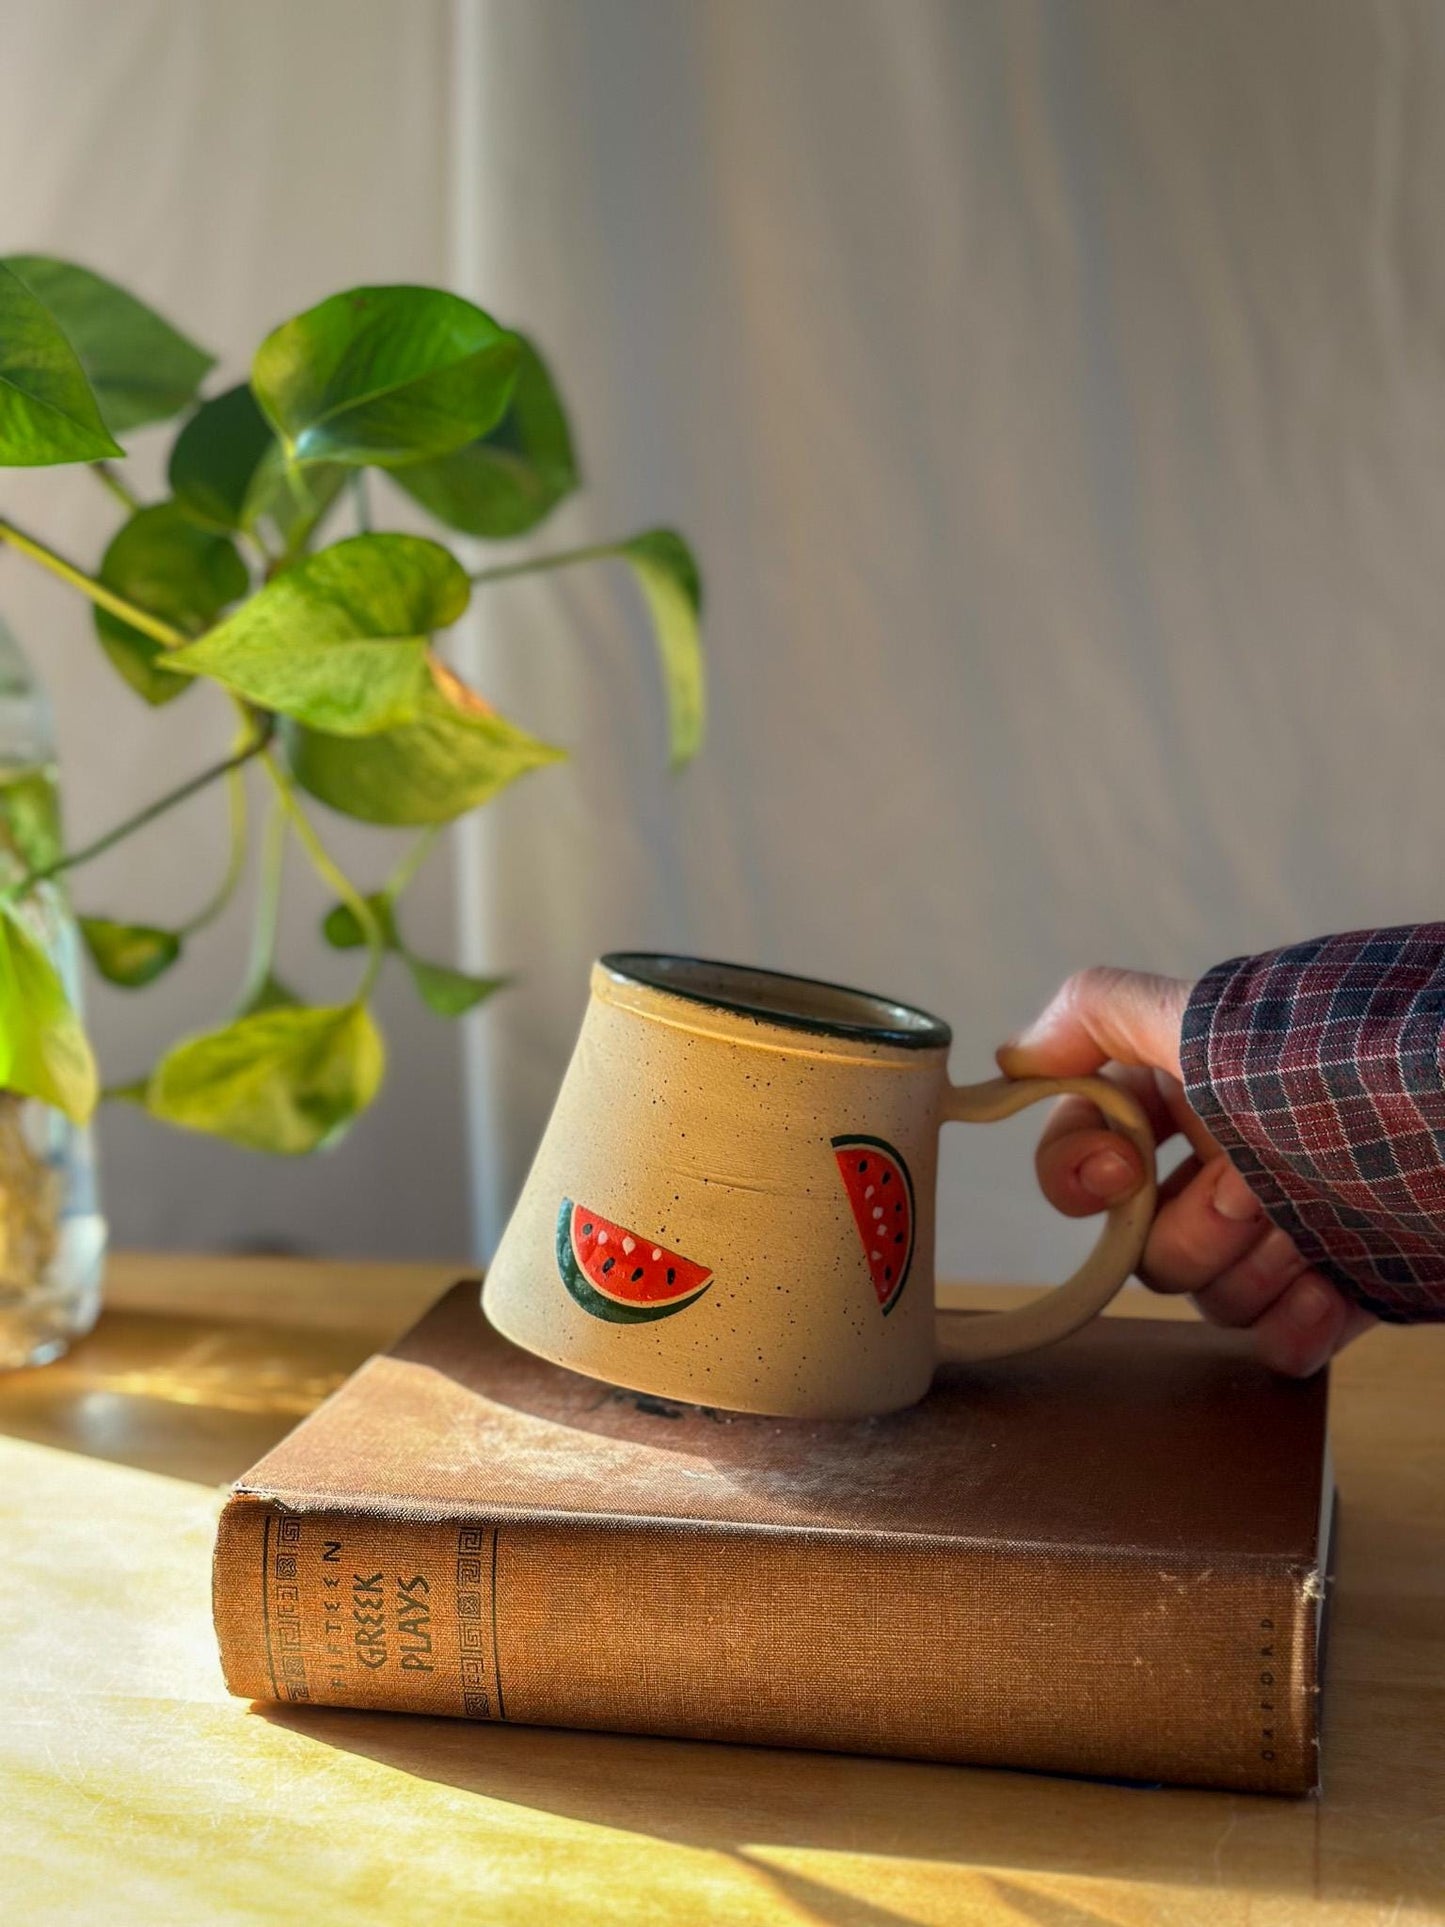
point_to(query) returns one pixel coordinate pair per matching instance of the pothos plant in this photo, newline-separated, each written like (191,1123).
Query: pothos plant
(323,644)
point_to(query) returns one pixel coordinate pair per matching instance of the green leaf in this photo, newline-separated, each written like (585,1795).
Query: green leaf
(140,368)
(129,954)
(292,500)
(457,754)
(286,1080)
(342,928)
(449,992)
(269,994)
(167,565)
(30,815)
(668,576)
(505,482)
(47,410)
(384,375)
(340,640)
(216,455)
(228,470)
(44,1051)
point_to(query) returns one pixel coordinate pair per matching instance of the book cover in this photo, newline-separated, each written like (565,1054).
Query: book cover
(1105,1558)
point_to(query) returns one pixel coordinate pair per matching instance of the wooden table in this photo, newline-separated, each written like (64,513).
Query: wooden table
(133,1790)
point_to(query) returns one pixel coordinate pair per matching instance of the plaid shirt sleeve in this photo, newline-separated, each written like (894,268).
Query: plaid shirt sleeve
(1321,1070)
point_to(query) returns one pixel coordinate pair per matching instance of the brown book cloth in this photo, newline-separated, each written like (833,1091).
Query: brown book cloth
(1105,1558)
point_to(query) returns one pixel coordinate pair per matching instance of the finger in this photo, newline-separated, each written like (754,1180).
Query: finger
(1083,1166)
(1306,1325)
(1100,1015)
(1358,1321)
(1163,1107)
(1246,1290)
(1181,1116)
(1208,1226)
(1184,1173)
(1085,1170)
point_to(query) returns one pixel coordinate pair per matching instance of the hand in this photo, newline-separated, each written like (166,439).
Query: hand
(1211,1236)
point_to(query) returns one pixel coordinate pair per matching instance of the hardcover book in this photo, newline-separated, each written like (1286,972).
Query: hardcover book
(1106,1558)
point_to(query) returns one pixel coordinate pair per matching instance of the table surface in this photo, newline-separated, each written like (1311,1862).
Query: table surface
(133,1789)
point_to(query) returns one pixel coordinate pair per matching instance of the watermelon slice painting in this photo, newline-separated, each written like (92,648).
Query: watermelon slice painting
(620,1275)
(880,1192)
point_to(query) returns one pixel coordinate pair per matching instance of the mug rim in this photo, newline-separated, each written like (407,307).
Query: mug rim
(904,1026)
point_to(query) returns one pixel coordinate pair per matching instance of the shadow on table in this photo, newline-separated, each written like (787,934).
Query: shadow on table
(759,1805)
(188,1397)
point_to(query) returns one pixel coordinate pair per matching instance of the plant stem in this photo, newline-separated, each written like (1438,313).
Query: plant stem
(235,859)
(110,480)
(360,502)
(330,871)
(304,526)
(402,875)
(268,904)
(132,1093)
(264,557)
(73,858)
(594,552)
(141,619)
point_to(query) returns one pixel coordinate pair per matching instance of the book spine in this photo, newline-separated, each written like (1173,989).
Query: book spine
(1115,1666)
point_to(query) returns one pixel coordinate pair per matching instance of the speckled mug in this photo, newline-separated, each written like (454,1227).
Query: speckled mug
(733,1202)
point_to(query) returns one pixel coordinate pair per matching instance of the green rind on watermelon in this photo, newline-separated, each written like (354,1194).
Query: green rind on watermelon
(691,1286)
(888,1278)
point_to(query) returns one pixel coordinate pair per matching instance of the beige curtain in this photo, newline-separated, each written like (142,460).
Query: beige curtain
(233,164)
(1055,395)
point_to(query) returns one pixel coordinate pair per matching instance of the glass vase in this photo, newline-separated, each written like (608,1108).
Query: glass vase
(52,1233)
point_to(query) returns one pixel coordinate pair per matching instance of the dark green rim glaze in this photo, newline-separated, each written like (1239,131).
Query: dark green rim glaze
(579,1288)
(773,997)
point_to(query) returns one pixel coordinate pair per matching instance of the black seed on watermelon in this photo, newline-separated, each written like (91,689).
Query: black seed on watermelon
(606,1284)
(885,1222)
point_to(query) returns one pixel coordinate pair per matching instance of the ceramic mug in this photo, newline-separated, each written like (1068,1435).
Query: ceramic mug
(733,1202)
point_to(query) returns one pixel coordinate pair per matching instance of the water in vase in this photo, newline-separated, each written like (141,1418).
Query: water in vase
(52,1233)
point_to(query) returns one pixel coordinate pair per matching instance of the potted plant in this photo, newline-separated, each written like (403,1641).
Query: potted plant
(319,633)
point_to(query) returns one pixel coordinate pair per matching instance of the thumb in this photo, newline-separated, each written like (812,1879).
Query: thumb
(1099,1016)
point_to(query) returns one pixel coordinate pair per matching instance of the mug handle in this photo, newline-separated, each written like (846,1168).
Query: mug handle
(1121,1242)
